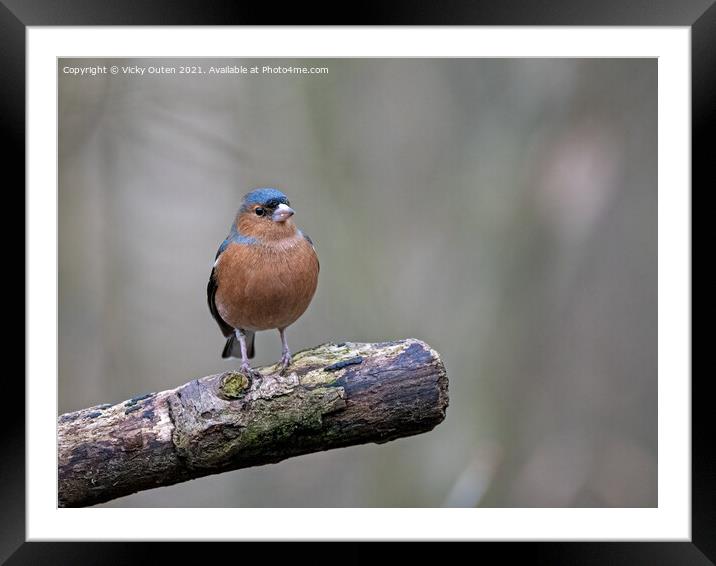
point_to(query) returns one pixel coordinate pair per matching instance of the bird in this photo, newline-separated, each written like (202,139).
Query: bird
(264,276)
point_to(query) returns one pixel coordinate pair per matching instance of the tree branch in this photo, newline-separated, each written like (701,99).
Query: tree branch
(333,395)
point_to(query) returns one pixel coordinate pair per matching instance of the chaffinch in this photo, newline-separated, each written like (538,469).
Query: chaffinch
(264,276)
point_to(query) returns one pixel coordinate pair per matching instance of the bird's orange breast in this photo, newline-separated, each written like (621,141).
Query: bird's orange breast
(266,285)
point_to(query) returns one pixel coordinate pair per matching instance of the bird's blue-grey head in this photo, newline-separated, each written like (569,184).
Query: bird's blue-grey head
(267,202)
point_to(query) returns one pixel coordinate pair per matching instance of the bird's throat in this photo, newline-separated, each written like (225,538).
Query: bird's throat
(265,230)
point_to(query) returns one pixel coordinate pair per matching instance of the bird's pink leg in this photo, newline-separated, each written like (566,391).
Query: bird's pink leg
(285,352)
(245,366)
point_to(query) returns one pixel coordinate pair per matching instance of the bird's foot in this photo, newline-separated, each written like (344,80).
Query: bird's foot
(249,371)
(285,362)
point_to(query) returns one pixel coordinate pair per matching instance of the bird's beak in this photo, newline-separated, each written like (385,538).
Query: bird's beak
(282,213)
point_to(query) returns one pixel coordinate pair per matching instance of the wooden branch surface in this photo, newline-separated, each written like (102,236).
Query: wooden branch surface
(333,395)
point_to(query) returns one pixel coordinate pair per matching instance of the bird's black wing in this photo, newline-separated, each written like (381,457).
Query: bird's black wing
(211,288)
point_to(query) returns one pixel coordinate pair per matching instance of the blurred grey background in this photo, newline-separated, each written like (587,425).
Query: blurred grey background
(503,210)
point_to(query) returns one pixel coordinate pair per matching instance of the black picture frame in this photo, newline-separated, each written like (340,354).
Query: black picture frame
(16,15)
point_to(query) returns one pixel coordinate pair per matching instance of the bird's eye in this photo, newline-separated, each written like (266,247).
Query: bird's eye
(260,211)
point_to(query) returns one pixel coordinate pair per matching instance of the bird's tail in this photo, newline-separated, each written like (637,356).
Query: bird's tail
(232,349)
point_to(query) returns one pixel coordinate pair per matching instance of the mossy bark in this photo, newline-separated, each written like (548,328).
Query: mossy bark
(333,395)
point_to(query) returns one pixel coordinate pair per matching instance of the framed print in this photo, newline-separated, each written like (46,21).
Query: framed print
(494,346)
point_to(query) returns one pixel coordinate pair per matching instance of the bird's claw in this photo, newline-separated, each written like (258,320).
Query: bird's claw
(285,362)
(249,371)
